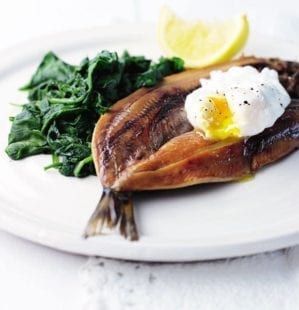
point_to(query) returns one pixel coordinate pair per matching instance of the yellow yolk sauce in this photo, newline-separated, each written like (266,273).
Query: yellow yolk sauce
(219,119)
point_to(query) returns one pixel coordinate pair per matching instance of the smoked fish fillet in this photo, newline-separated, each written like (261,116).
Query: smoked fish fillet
(145,142)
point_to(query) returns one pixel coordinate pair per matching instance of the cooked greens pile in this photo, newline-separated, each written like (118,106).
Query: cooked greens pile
(65,102)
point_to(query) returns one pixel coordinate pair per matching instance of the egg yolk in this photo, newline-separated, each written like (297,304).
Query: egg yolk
(220,121)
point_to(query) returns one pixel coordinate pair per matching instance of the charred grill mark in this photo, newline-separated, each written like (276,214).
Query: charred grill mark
(286,128)
(131,124)
(258,145)
(166,103)
(168,128)
(170,102)
(170,121)
(294,106)
(167,122)
(114,141)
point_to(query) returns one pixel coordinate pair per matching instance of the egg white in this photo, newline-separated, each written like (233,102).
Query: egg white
(255,99)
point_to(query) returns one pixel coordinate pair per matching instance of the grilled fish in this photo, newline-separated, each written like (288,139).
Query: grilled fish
(145,142)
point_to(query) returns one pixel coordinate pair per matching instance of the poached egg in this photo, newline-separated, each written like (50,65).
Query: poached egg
(240,102)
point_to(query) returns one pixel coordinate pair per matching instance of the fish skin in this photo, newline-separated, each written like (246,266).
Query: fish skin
(153,116)
(218,162)
(145,142)
(203,161)
(277,141)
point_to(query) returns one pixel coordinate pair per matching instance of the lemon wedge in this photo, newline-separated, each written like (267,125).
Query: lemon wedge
(201,44)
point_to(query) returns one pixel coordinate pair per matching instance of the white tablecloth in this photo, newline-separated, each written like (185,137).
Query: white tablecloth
(260,282)
(34,277)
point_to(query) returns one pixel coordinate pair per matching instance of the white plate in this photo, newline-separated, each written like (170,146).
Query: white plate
(203,222)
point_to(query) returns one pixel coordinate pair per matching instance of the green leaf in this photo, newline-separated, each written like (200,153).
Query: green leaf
(51,68)
(35,143)
(157,71)
(78,171)
(65,102)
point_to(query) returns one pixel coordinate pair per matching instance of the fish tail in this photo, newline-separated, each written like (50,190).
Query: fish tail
(115,209)
(128,227)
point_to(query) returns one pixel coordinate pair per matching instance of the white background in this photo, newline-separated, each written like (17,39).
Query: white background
(32,277)
(24,19)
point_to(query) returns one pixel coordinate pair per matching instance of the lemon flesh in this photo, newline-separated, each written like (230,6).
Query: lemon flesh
(201,44)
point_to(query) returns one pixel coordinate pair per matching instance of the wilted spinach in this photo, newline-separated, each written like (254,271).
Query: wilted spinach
(65,102)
